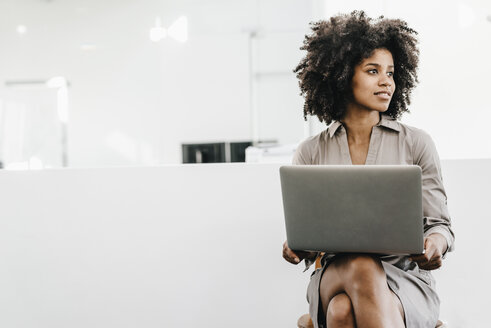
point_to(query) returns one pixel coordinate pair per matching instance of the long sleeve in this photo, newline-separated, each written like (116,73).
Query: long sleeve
(435,211)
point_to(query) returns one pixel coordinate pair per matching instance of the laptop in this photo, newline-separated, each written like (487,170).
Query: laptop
(353,208)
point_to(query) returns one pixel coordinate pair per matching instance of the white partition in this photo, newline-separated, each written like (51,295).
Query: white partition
(187,246)
(464,280)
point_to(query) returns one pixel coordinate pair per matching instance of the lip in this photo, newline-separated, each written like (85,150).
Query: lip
(385,95)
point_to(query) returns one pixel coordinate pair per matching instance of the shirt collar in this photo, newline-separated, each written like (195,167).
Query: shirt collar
(385,121)
(333,128)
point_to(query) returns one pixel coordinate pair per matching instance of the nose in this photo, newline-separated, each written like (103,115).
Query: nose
(385,81)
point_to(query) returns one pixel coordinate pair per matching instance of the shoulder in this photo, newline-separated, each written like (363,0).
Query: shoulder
(306,150)
(407,131)
(422,145)
(414,133)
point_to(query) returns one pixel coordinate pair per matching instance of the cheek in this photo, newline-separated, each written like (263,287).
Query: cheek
(357,89)
(361,92)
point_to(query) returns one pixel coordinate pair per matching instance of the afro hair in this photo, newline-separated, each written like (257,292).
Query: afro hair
(336,46)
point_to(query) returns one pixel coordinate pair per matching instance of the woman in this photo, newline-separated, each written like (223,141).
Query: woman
(358,74)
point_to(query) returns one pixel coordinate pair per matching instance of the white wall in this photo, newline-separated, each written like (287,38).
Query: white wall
(463,281)
(133,102)
(189,246)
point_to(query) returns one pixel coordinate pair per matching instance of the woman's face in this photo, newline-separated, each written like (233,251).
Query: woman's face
(373,81)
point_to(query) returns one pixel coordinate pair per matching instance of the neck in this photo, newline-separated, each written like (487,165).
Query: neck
(359,123)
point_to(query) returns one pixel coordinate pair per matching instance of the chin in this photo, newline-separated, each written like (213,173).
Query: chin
(377,109)
(381,109)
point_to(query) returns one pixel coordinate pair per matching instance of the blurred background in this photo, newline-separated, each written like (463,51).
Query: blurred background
(129,83)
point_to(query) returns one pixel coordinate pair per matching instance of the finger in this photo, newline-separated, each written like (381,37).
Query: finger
(436,266)
(429,252)
(295,258)
(292,259)
(421,258)
(436,262)
(434,248)
(418,258)
(430,248)
(289,255)
(431,265)
(426,266)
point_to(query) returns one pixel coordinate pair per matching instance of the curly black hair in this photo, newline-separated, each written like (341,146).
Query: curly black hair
(334,49)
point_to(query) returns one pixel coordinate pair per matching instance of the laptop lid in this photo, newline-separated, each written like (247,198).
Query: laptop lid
(353,208)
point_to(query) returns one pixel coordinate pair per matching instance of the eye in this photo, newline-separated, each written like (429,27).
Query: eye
(372,71)
(391,74)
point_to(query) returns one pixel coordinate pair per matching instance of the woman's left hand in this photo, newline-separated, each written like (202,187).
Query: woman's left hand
(435,246)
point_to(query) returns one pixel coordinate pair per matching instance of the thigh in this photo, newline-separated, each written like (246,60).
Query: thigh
(331,284)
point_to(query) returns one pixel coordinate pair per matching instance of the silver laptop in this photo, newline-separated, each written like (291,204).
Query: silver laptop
(353,208)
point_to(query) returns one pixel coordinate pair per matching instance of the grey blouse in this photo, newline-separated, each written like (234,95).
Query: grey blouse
(391,142)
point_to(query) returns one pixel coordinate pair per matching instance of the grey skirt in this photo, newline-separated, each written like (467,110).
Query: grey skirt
(414,287)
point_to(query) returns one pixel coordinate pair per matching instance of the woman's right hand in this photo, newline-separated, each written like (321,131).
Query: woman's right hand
(295,257)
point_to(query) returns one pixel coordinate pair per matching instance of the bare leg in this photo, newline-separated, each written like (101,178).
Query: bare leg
(340,312)
(362,278)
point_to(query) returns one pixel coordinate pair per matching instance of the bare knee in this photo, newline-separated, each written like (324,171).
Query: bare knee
(362,264)
(340,310)
(363,272)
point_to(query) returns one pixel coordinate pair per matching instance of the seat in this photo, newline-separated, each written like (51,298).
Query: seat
(306,322)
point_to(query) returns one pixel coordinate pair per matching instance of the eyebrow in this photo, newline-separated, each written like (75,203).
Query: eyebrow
(375,64)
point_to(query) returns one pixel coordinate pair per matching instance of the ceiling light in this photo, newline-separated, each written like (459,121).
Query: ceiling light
(178,30)
(157,34)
